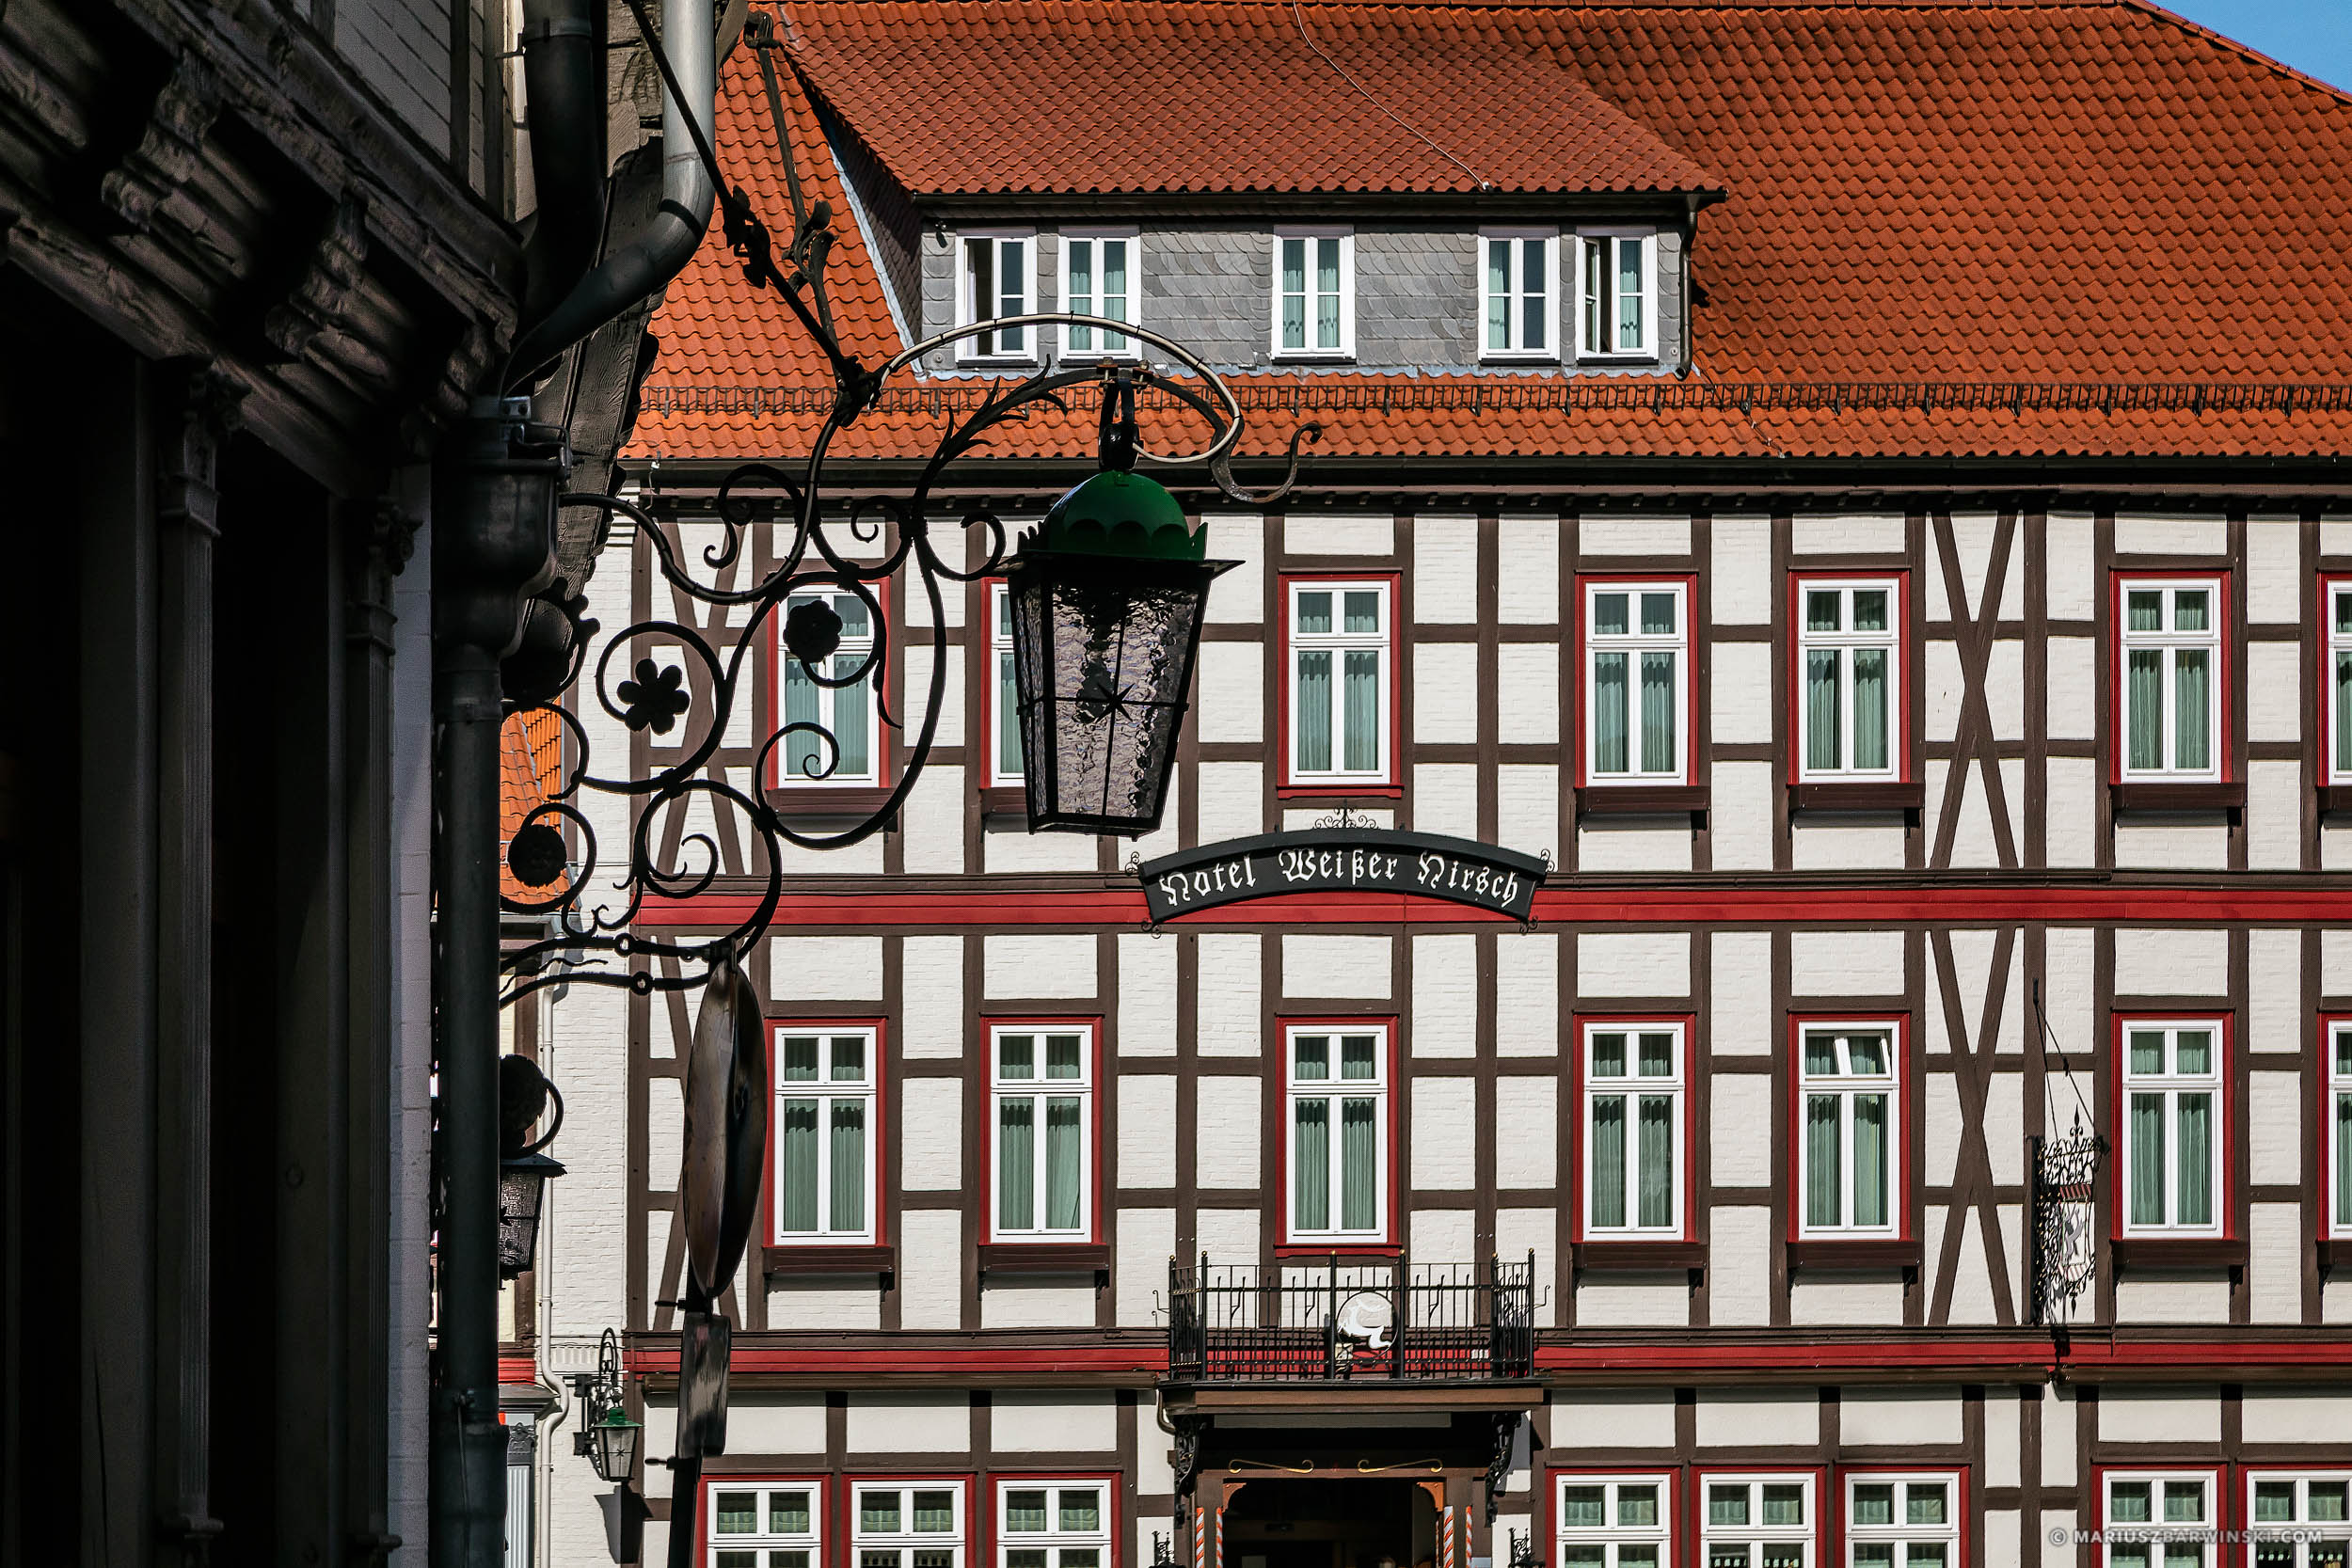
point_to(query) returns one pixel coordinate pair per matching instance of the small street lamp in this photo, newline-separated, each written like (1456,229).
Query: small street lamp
(613,1445)
(610,1439)
(524,1093)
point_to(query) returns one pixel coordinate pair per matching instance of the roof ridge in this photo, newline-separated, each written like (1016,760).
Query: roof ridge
(2159,14)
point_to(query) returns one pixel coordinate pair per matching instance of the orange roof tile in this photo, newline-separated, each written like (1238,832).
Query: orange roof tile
(531,767)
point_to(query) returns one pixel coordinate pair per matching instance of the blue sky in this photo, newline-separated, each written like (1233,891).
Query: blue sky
(2312,36)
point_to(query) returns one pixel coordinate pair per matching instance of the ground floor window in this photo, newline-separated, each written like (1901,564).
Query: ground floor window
(1613,1521)
(1902,1521)
(2300,1520)
(913,1524)
(1053,1524)
(1757,1521)
(2158,1519)
(765,1523)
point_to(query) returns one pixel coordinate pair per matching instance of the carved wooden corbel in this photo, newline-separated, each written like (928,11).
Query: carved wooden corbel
(316,303)
(171,148)
(211,410)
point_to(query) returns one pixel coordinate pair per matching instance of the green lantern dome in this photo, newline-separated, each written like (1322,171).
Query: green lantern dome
(1123,513)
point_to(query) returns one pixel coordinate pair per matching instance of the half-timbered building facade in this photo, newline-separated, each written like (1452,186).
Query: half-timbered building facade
(1850,495)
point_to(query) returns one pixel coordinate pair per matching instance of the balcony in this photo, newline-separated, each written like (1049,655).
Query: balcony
(1330,1321)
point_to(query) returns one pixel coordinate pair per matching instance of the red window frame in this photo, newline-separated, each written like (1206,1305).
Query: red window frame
(2225,1157)
(2225,681)
(1388,1245)
(1904,1191)
(1689,583)
(1673,1471)
(1096,1089)
(1579,1024)
(1958,1469)
(1391,784)
(2325,687)
(1908,661)
(778,1025)
(2331,1225)
(977,1540)
(887,699)
(822,1507)
(1826,1547)
(1109,1480)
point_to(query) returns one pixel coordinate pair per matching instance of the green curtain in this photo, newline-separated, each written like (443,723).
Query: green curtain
(1007,717)
(1582,1507)
(1294,293)
(1924,1504)
(1596,290)
(850,718)
(1357,1056)
(2147,1134)
(1924,1554)
(1024,1511)
(1114,300)
(1608,713)
(2192,678)
(1727,1505)
(1873,1554)
(1081,1511)
(2143,708)
(1314,712)
(1821,718)
(735,1513)
(1608,1160)
(2344,713)
(2195,1178)
(1629,324)
(2184,1502)
(787,1513)
(1822,1157)
(1328,293)
(1637,1505)
(1358,1168)
(1310,1165)
(934,1512)
(1360,670)
(1062,1167)
(1016,1163)
(1657,1159)
(1658,712)
(1532,325)
(1498,294)
(2343,1158)
(878,1513)
(1869,1159)
(804,753)
(800,1058)
(1872,1505)
(1869,707)
(849,1167)
(2274,1502)
(1012,279)
(799,1167)
(1080,301)
(2128,1503)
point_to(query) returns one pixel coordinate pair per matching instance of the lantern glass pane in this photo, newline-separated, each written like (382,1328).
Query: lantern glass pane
(518,1217)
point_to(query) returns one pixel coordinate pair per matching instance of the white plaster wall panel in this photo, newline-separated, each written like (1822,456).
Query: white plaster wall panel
(2335,536)
(1064,1422)
(1631,844)
(2275,1151)
(1225,1013)
(665,1133)
(2004,1450)
(2274,816)
(2062,1412)
(825,969)
(1032,1305)
(932,817)
(2335,846)
(1757,1419)
(1229,695)
(1239,597)
(1527,994)
(931,1145)
(1445,995)
(2274,1265)
(2002,1545)
(1740,808)
(2155,1300)
(1972,1276)
(1336,966)
(1974,843)
(2299,1416)
(1944,688)
(1443,1234)
(1040,966)
(1445,799)
(1147,995)
(2274,569)
(2070,811)
(1296,819)
(1739,1272)
(2072,706)
(2168,1414)
(1940,1137)
(1846,963)
(1006,847)
(2146,534)
(1166,839)
(2056,1536)
(780,1423)
(2173,846)
(1846,536)
(1852,844)
(1146,1130)
(2005,1129)
(1633,963)
(1527,1131)
(1634,536)
(1740,1130)
(894,1422)
(2335,960)
(1739,680)
(930,998)
(1226,1136)
(1228,1235)
(1739,1018)
(823,1304)
(1445,1134)
(2167,962)
(1825,1302)
(1625,1418)
(1971,968)
(1527,686)
(1884,1418)
(1314,534)
(2004,689)
(1232,802)
(2335,1302)
(1527,556)
(1445,692)
(860,860)
(1154,1477)
(1146,1239)
(658,1436)
(918,691)
(1621,1301)
(1445,570)
(2275,707)
(2069,566)
(1527,808)
(1972,547)
(2274,972)
(1520,1231)
(1740,580)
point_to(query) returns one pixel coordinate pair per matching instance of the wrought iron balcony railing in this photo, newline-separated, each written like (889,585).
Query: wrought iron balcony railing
(1312,1320)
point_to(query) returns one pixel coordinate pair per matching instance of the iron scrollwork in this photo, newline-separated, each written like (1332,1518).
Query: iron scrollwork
(2065,1236)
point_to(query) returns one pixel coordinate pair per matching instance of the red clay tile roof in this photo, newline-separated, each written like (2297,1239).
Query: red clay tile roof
(1983,228)
(531,767)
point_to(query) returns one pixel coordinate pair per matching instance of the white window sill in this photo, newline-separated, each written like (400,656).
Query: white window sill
(1326,356)
(1588,357)
(1518,356)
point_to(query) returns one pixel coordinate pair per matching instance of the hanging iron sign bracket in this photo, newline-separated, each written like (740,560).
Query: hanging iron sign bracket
(1346,859)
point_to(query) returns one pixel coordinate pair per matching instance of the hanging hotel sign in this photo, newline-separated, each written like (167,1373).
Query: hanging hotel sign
(1354,858)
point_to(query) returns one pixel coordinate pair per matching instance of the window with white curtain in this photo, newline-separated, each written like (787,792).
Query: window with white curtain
(1337,1132)
(1849,1140)
(1340,669)
(906,1523)
(1848,656)
(1518,273)
(2172,1138)
(2338,609)
(1616,285)
(1633,1089)
(2339,1114)
(762,1523)
(993,279)
(1314,294)
(1099,277)
(2300,1519)
(1041,1083)
(1757,1521)
(838,694)
(2172,640)
(1004,703)
(1902,1521)
(824,1134)
(1053,1524)
(1636,683)
(1613,1521)
(2159,1519)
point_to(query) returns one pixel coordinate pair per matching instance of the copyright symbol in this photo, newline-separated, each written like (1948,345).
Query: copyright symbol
(2059,1534)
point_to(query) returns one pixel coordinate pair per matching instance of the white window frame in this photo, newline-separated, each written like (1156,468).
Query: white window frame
(2302,1527)
(1334,1088)
(1633,644)
(1899,1534)
(1037,1090)
(1515,310)
(1755,1533)
(1131,347)
(1586,348)
(1634,1087)
(1054,1540)
(1346,346)
(765,1545)
(1339,643)
(826,1090)
(1844,641)
(1613,1537)
(2335,1074)
(2335,653)
(990,349)
(2172,1084)
(999,669)
(1848,1086)
(2156,1531)
(854,648)
(907,1540)
(2169,643)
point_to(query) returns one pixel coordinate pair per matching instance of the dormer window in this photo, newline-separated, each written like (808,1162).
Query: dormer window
(1618,275)
(1519,272)
(995,278)
(1098,278)
(1314,294)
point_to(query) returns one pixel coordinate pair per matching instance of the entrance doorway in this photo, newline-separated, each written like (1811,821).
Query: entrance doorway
(1374,1522)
